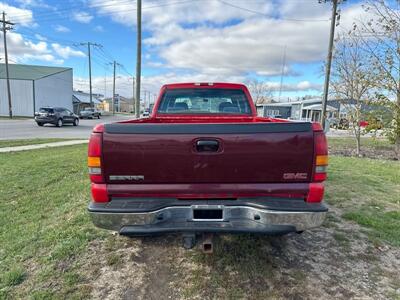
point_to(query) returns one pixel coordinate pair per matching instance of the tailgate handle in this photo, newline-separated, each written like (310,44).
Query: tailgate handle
(207,146)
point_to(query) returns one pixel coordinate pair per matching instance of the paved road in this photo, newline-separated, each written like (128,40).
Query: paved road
(27,128)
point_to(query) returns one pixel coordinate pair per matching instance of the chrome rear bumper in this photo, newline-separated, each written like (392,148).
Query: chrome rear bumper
(239,219)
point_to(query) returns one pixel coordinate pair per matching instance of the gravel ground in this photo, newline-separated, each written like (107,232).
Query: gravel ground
(336,261)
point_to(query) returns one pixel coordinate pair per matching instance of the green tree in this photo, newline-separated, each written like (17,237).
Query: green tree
(380,36)
(352,82)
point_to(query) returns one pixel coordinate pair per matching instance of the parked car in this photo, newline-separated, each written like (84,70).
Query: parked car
(89,113)
(146,114)
(55,115)
(205,163)
(341,123)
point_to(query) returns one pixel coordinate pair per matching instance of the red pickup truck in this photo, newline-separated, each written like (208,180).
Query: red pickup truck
(204,162)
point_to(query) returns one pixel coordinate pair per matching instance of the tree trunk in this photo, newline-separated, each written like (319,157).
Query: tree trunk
(397,116)
(357,136)
(358,143)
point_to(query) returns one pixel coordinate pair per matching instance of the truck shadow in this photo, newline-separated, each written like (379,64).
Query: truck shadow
(240,266)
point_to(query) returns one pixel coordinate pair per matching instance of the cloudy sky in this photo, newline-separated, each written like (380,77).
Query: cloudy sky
(192,40)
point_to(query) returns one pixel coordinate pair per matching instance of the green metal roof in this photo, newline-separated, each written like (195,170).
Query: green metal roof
(29,72)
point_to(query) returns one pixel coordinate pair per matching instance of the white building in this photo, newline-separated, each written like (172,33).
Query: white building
(305,110)
(33,87)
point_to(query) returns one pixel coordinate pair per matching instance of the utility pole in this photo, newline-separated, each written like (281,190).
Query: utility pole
(113,97)
(144,99)
(90,75)
(115,64)
(89,45)
(138,55)
(329,60)
(133,92)
(5,28)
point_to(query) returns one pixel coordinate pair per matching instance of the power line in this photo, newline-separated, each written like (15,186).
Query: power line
(27,17)
(266,15)
(89,45)
(32,34)
(107,13)
(126,71)
(102,55)
(100,59)
(283,71)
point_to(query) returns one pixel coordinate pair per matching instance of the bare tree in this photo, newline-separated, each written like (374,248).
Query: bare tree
(381,41)
(352,82)
(260,90)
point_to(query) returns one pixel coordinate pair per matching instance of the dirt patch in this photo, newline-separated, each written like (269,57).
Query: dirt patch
(366,151)
(313,265)
(334,261)
(133,268)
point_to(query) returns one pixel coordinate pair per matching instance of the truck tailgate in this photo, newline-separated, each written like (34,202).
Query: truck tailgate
(207,153)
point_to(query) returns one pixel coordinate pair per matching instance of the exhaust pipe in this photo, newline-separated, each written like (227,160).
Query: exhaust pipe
(208,245)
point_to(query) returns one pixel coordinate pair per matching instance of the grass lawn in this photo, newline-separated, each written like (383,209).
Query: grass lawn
(369,142)
(15,118)
(45,230)
(43,221)
(24,142)
(373,187)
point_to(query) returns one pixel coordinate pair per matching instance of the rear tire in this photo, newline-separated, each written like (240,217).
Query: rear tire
(76,122)
(59,123)
(98,116)
(40,124)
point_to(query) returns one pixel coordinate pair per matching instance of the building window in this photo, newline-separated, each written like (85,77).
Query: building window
(272,112)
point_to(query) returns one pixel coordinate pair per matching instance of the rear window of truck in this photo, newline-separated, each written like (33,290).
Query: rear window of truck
(204,101)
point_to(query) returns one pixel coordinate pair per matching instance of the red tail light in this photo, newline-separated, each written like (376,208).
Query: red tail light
(316,188)
(321,145)
(95,144)
(321,156)
(99,192)
(316,192)
(99,189)
(94,157)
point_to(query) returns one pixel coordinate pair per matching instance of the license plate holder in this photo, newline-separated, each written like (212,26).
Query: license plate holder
(207,213)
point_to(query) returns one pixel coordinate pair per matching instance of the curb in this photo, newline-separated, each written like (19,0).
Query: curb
(40,146)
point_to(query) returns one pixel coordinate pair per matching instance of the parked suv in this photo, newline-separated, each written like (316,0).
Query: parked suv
(89,113)
(56,115)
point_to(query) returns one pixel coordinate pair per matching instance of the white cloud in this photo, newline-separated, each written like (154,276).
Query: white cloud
(295,86)
(219,38)
(22,50)
(103,85)
(98,28)
(40,37)
(220,42)
(66,51)
(82,17)
(33,3)
(61,28)
(23,17)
